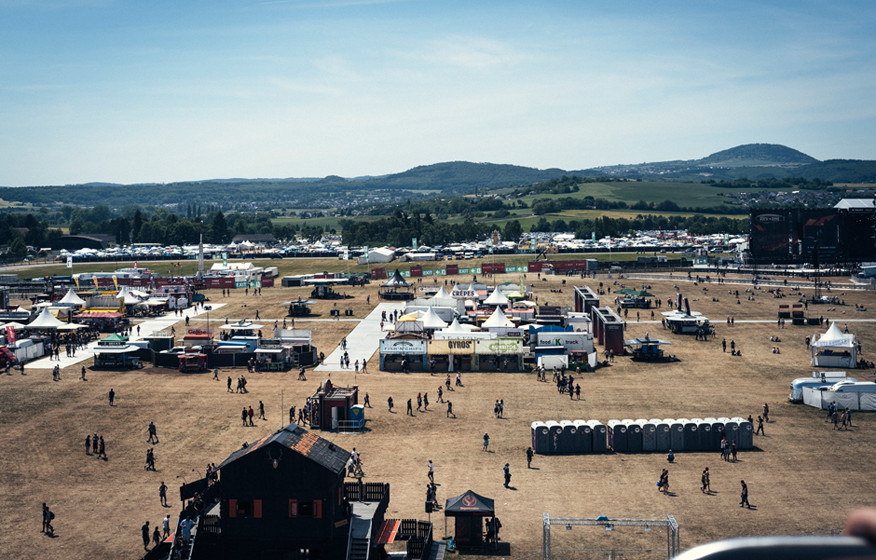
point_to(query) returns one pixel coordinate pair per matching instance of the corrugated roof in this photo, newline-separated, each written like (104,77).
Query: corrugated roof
(319,450)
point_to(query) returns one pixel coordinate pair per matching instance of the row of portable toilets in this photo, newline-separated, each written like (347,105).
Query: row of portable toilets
(636,436)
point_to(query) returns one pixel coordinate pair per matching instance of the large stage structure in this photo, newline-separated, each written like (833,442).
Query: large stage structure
(807,235)
(671,525)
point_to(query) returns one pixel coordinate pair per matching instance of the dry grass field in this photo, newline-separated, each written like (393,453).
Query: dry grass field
(803,476)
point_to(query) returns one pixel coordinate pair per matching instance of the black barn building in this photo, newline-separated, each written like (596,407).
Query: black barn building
(284,497)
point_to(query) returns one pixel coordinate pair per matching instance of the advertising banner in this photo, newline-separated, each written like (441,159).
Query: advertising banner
(499,346)
(569,340)
(401,346)
(440,347)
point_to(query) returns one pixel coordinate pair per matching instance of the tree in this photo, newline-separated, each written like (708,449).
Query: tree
(512,231)
(135,228)
(219,228)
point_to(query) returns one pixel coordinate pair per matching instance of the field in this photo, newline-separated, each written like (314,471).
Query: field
(803,476)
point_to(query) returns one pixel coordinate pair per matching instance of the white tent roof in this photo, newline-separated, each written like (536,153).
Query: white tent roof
(454,328)
(496,298)
(126,296)
(835,338)
(441,295)
(242,325)
(72,299)
(45,320)
(497,319)
(431,320)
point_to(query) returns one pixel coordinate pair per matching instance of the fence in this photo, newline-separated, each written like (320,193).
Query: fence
(851,400)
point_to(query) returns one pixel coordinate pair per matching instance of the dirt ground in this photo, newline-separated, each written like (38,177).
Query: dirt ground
(803,476)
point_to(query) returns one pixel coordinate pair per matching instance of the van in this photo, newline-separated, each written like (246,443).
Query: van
(798,384)
(854,387)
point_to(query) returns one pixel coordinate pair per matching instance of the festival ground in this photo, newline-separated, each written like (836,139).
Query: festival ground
(803,476)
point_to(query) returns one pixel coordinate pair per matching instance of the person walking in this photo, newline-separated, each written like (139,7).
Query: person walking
(82,375)
(88,444)
(243,416)
(102,448)
(507,471)
(250,413)
(262,411)
(410,410)
(228,386)
(156,537)
(153,433)
(112,397)
(759,429)
(165,529)
(743,496)
(486,441)
(45,516)
(389,403)
(145,530)
(450,410)
(162,494)
(707,488)
(733,449)
(766,413)
(529,454)
(431,473)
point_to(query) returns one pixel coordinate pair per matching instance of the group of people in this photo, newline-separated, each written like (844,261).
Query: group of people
(94,445)
(841,420)
(241,385)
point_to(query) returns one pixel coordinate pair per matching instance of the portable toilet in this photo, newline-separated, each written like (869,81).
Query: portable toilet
(568,441)
(662,433)
(618,434)
(746,433)
(539,437)
(357,416)
(717,431)
(634,436)
(704,429)
(691,438)
(649,435)
(584,436)
(555,434)
(599,435)
(676,435)
(731,428)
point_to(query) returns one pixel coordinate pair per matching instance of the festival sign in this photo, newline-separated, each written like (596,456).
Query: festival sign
(402,346)
(443,347)
(498,346)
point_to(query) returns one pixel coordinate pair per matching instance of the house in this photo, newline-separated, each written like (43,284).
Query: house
(285,497)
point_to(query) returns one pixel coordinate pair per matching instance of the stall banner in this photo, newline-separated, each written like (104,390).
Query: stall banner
(498,346)
(442,347)
(568,340)
(401,346)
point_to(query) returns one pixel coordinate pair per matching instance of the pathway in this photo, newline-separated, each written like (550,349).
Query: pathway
(362,341)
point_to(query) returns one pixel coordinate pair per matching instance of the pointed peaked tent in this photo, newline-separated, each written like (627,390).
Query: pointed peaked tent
(70,298)
(397,281)
(469,509)
(455,328)
(497,298)
(390,290)
(497,320)
(45,320)
(431,320)
(835,349)
(441,295)
(127,297)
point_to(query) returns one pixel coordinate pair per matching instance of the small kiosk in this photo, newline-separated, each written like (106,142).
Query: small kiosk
(468,510)
(114,352)
(647,349)
(835,349)
(298,307)
(330,407)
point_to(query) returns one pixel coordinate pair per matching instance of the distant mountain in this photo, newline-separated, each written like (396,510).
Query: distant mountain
(752,155)
(459,176)
(749,161)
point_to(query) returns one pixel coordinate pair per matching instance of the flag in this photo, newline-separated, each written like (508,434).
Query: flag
(135,265)
(414,243)
(76,281)
(94,279)
(69,261)
(116,282)
(10,336)
(224,259)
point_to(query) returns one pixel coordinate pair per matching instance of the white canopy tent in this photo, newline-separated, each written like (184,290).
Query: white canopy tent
(497,320)
(431,320)
(70,298)
(45,320)
(835,349)
(497,298)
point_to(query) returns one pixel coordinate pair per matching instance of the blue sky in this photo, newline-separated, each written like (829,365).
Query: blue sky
(131,91)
